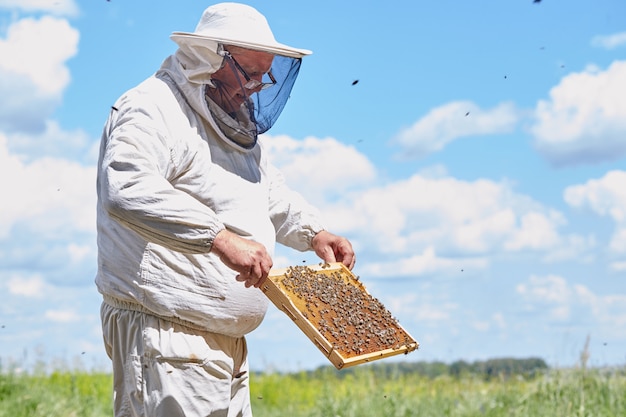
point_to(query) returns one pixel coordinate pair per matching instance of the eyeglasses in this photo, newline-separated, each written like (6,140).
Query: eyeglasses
(250,83)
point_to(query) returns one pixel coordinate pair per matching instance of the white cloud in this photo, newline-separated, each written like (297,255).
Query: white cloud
(536,231)
(33,71)
(499,320)
(618,266)
(618,240)
(453,121)
(56,7)
(609,41)
(480,325)
(550,294)
(550,289)
(79,252)
(39,49)
(33,286)
(320,167)
(607,197)
(495,321)
(54,195)
(62,316)
(53,141)
(23,108)
(553,294)
(420,264)
(584,121)
(420,308)
(428,313)
(572,247)
(608,309)
(419,221)
(408,216)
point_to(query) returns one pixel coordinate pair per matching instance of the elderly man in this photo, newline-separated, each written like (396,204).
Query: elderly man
(189,211)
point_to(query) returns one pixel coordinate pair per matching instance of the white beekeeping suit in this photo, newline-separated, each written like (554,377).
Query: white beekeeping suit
(176,168)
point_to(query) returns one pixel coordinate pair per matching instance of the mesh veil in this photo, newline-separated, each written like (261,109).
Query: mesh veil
(242,123)
(269,103)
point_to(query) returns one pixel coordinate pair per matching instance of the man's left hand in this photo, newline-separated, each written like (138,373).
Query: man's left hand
(333,248)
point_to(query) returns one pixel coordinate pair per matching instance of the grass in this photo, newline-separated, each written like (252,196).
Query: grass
(67,394)
(364,392)
(556,393)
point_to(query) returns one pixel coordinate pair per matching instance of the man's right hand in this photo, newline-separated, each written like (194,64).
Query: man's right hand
(247,257)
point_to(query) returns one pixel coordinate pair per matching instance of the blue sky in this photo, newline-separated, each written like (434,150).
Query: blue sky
(478,166)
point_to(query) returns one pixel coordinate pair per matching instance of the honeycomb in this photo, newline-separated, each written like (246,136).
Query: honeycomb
(336,303)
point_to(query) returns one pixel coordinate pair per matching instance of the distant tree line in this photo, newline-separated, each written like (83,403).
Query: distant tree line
(499,367)
(486,369)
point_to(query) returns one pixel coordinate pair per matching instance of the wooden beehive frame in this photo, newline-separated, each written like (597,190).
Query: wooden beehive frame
(333,341)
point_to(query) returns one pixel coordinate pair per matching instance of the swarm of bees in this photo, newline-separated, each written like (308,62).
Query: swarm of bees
(336,303)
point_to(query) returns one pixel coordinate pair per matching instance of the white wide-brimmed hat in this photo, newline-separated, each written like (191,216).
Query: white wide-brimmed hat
(239,25)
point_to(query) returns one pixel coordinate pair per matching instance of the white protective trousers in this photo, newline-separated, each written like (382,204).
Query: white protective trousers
(164,369)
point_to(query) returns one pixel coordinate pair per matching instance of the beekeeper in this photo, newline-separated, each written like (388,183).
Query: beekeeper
(189,211)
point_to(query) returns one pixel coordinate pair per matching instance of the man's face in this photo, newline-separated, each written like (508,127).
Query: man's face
(230,94)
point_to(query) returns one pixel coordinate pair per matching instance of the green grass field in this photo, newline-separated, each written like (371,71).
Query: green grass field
(362,392)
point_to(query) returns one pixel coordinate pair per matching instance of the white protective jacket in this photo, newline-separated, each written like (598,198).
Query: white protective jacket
(168,182)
